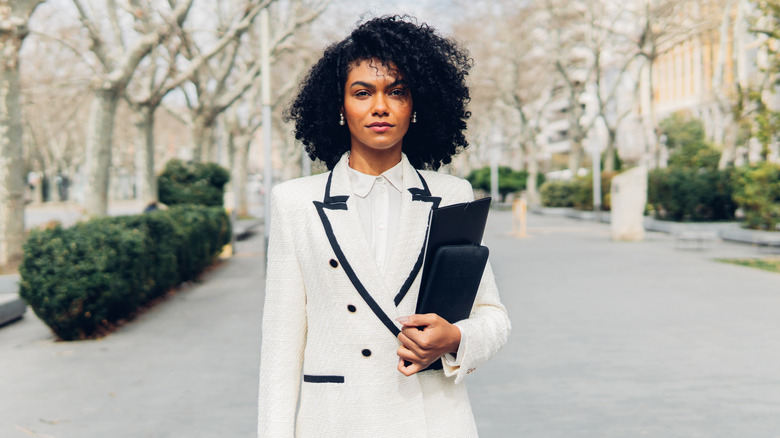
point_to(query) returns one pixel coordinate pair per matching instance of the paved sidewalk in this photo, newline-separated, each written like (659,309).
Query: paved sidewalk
(618,339)
(610,340)
(187,368)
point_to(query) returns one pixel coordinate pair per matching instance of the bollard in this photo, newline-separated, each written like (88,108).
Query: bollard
(519,218)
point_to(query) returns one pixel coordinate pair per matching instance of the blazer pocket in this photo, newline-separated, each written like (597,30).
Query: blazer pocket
(322,379)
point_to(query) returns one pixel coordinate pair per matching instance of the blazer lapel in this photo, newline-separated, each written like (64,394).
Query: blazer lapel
(342,225)
(409,245)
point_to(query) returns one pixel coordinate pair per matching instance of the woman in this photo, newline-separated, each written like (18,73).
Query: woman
(346,247)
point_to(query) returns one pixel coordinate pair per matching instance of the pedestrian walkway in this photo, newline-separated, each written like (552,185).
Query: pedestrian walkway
(610,339)
(187,368)
(619,339)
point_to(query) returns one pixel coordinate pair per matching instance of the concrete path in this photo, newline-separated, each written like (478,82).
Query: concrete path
(187,368)
(629,339)
(609,340)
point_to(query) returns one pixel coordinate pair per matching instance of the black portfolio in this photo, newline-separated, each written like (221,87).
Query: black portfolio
(454,259)
(454,262)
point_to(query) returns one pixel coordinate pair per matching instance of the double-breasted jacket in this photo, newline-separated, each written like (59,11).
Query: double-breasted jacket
(328,321)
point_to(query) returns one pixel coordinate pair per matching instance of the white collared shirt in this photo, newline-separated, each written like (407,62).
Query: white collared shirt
(378,200)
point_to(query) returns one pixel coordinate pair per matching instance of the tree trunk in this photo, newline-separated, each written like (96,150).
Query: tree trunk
(647,106)
(516,154)
(240,163)
(52,187)
(11,152)
(100,132)
(575,155)
(609,153)
(201,148)
(145,178)
(728,155)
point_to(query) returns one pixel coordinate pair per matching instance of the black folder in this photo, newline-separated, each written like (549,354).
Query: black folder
(454,262)
(457,224)
(453,282)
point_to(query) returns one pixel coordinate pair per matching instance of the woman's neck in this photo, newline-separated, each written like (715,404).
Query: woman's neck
(373,162)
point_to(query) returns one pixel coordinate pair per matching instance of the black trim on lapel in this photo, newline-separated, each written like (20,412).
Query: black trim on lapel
(340,203)
(424,195)
(334,199)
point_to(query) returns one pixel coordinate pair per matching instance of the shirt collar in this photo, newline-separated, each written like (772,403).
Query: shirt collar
(363,183)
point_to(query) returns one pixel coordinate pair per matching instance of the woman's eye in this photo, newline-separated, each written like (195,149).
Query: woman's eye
(362,93)
(398,92)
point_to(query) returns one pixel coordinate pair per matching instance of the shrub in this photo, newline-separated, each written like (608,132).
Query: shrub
(583,195)
(688,194)
(192,183)
(577,193)
(691,188)
(757,192)
(558,193)
(81,279)
(687,144)
(509,181)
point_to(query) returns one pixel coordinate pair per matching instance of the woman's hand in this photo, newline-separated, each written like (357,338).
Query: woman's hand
(425,338)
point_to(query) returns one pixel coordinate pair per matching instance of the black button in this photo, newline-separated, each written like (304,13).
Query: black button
(351,308)
(366,352)
(334,263)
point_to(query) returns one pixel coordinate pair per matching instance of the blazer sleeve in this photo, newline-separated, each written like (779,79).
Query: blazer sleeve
(283,327)
(484,333)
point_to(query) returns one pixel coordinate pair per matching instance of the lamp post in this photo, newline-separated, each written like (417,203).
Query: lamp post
(265,87)
(596,159)
(495,155)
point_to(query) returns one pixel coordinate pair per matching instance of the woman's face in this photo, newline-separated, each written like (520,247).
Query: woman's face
(377,107)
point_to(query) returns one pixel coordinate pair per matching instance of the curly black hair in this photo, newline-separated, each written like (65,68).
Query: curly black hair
(434,67)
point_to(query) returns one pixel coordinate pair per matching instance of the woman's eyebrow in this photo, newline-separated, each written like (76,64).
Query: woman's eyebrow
(362,84)
(372,86)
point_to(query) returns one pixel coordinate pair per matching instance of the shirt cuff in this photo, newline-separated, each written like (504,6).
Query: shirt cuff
(451,362)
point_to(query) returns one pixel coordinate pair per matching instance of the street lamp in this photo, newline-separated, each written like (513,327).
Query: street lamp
(495,156)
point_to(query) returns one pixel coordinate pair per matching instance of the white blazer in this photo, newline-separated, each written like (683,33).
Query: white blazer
(328,321)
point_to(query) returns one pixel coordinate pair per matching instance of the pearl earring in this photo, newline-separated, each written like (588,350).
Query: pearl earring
(414,117)
(341,119)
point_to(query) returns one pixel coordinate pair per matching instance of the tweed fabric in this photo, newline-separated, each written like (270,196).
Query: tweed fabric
(315,322)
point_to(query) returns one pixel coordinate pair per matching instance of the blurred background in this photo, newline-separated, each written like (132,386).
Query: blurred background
(105,93)
(658,115)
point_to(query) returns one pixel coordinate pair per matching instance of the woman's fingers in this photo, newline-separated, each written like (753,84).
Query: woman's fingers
(408,370)
(410,346)
(424,338)
(407,354)
(417,336)
(417,319)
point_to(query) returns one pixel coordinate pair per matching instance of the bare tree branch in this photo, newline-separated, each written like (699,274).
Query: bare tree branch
(98,45)
(116,28)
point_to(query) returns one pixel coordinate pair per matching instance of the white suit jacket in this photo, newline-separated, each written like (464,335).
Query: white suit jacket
(328,322)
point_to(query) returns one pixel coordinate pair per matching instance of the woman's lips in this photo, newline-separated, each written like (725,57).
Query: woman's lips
(380,127)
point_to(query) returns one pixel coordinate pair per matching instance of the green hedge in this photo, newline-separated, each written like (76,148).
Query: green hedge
(558,193)
(688,194)
(509,181)
(192,183)
(757,192)
(577,193)
(81,279)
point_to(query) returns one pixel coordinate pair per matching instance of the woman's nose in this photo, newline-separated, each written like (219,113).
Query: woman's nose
(380,104)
